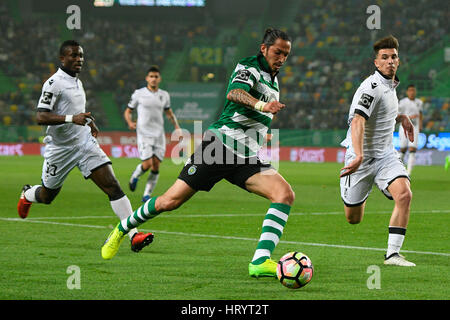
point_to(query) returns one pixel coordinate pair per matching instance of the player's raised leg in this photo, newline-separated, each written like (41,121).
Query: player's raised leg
(139,171)
(152,179)
(402,195)
(105,179)
(172,199)
(354,214)
(271,185)
(24,206)
(34,194)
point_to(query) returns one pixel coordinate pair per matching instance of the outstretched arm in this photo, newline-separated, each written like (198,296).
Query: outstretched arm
(246,99)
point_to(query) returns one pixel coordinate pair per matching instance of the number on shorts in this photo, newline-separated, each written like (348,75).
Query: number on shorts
(51,169)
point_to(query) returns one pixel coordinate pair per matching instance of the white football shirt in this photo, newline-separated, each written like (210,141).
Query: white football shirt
(411,108)
(375,100)
(63,94)
(150,107)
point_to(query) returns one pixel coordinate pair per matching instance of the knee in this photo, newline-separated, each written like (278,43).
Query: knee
(145,165)
(290,197)
(354,215)
(286,196)
(155,166)
(404,198)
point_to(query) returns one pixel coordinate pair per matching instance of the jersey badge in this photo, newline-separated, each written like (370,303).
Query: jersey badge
(47,97)
(365,100)
(192,170)
(243,75)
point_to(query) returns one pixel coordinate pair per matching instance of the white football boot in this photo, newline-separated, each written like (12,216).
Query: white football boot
(396,259)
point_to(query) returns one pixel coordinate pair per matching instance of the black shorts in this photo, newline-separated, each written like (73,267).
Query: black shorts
(212,162)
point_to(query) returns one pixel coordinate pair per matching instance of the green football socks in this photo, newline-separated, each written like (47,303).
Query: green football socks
(142,214)
(271,232)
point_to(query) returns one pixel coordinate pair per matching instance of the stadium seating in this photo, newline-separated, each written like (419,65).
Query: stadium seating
(331,55)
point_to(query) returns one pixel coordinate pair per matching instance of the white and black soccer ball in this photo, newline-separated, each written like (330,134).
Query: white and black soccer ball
(295,270)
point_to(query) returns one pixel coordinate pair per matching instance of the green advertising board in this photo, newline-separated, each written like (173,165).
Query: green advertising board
(195,102)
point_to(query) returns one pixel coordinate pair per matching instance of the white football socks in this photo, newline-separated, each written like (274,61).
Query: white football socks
(151,182)
(395,240)
(138,171)
(411,161)
(30,194)
(122,208)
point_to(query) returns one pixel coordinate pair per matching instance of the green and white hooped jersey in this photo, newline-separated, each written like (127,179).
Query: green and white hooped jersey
(240,128)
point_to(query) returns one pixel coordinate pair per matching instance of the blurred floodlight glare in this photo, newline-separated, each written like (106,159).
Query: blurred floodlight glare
(151,3)
(103,3)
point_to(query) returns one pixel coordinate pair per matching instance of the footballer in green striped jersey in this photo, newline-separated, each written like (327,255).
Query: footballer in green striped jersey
(252,101)
(242,128)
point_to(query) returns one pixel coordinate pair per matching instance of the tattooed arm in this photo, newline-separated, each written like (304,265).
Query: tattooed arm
(246,99)
(242,97)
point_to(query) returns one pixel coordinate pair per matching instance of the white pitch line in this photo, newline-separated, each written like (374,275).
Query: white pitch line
(231,215)
(229,237)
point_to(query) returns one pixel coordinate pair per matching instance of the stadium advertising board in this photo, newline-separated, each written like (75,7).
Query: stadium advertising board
(433,149)
(440,141)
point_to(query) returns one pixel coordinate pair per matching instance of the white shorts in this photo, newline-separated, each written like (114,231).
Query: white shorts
(355,188)
(60,160)
(404,141)
(149,147)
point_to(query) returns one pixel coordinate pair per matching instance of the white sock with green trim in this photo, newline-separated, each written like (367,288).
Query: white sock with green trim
(271,232)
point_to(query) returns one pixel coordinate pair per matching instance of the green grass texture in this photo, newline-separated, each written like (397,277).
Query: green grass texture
(201,251)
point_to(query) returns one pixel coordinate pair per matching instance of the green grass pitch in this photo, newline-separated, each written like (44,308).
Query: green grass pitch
(202,250)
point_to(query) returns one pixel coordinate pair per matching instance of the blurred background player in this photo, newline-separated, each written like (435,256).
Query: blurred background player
(412,107)
(370,156)
(229,151)
(71,142)
(149,102)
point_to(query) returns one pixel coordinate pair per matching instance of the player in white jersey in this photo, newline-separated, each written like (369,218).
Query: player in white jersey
(150,102)
(371,157)
(412,107)
(71,142)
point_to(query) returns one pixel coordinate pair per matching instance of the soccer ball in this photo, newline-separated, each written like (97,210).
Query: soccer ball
(294,270)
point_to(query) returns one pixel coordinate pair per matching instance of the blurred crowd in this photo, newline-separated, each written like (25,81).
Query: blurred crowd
(28,57)
(330,56)
(119,54)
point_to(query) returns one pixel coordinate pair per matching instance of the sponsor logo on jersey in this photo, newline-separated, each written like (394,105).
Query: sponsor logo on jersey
(264,98)
(365,100)
(243,75)
(47,97)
